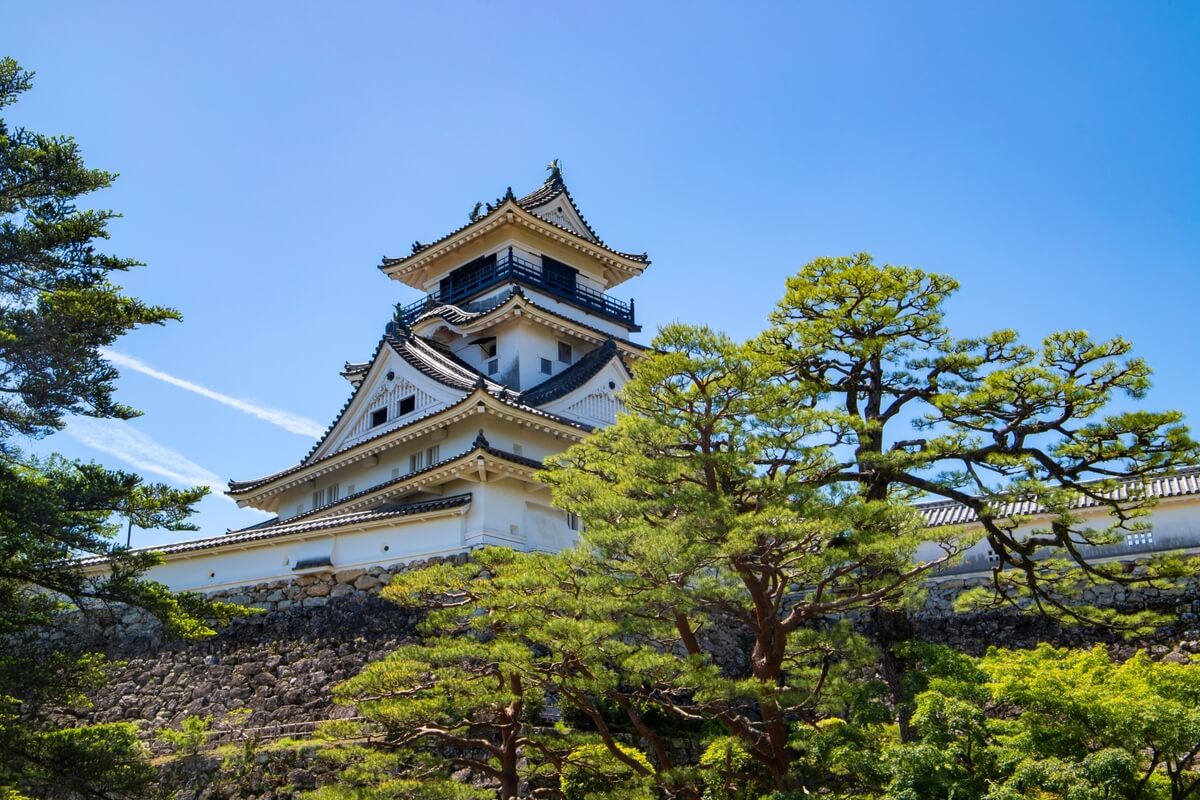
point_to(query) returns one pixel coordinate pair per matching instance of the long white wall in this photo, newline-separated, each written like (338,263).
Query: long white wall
(1174,525)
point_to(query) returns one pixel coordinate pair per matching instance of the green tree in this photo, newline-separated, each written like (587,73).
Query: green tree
(1129,730)
(766,488)
(58,308)
(506,635)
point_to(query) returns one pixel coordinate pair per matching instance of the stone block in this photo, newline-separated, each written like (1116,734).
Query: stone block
(348,575)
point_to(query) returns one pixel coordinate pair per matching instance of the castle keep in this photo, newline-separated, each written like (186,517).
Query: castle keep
(516,351)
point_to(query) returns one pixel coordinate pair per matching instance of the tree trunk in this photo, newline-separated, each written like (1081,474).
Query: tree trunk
(889,629)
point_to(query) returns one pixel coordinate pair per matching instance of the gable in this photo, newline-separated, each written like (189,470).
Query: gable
(595,402)
(391,386)
(561,211)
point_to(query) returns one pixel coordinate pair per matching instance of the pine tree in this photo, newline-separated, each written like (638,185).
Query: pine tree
(58,308)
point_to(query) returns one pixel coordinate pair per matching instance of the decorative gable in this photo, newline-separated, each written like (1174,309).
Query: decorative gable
(596,401)
(389,405)
(391,394)
(562,212)
(598,408)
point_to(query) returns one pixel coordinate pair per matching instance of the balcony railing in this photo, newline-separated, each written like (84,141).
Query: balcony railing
(511,267)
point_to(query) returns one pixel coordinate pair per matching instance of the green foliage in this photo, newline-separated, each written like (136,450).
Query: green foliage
(594,772)
(756,498)
(191,736)
(58,309)
(729,771)
(365,773)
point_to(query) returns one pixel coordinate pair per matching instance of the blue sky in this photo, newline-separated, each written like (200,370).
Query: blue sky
(270,153)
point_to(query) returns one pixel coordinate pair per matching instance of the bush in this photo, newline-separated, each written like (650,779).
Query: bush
(191,736)
(592,772)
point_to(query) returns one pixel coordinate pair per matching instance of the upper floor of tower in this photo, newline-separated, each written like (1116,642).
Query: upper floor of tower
(541,243)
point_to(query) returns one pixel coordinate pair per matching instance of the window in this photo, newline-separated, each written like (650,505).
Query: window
(493,366)
(564,352)
(378,416)
(299,508)
(318,498)
(558,275)
(1139,538)
(395,472)
(350,490)
(488,346)
(546,366)
(431,455)
(517,449)
(572,521)
(331,494)
(407,405)
(416,462)
(467,279)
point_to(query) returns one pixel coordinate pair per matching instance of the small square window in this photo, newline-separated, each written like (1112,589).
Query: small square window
(407,405)
(572,521)
(378,417)
(493,366)
(546,366)
(564,352)
(416,462)
(432,454)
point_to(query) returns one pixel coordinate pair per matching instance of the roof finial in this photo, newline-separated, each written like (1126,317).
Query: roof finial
(555,172)
(399,324)
(474,215)
(508,195)
(481,440)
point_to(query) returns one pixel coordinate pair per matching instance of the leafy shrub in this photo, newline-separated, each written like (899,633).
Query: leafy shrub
(592,772)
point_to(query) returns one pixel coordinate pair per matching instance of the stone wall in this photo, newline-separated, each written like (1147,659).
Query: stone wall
(318,630)
(280,663)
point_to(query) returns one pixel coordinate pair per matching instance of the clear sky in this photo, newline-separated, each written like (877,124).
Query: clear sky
(1045,154)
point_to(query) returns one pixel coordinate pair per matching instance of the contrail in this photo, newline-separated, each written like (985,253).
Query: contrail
(283,419)
(122,440)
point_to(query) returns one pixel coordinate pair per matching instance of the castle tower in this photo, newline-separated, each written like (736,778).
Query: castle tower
(516,351)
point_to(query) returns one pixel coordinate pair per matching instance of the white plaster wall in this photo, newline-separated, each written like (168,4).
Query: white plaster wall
(578,314)
(276,558)
(1174,524)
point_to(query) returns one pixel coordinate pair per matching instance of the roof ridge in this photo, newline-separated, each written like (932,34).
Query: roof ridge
(492,208)
(957,513)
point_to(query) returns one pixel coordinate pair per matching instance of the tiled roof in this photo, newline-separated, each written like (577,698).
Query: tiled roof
(275,528)
(503,396)
(458,316)
(1182,483)
(436,361)
(539,196)
(572,377)
(480,443)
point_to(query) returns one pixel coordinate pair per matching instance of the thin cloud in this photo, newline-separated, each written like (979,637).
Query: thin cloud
(283,419)
(123,441)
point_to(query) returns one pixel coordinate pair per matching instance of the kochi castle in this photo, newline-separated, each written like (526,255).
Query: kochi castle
(516,351)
